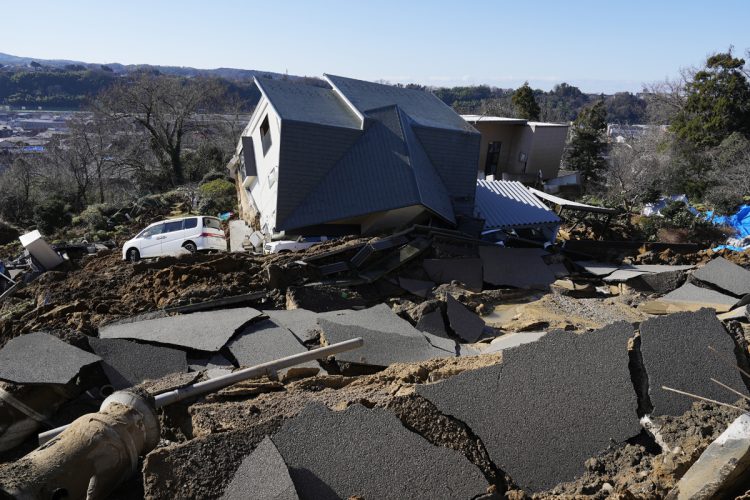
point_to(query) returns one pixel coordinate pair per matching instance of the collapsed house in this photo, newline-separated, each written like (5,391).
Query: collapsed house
(518,150)
(358,157)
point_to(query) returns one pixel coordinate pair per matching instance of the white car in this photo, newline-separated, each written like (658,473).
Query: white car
(284,246)
(170,237)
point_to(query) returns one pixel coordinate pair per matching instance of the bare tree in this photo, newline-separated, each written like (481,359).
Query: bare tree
(667,98)
(165,107)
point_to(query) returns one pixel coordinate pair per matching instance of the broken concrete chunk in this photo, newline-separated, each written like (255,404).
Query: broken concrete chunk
(433,323)
(262,475)
(725,275)
(464,323)
(128,363)
(382,347)
(721,469)
(203,331)
(466,271)
(517,267)
(549,406)
(690,298)
(420,288)
(368,453)
(40,358)
(266,341)
(676,354)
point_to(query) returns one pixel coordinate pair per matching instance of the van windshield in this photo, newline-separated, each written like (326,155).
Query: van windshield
(210,222)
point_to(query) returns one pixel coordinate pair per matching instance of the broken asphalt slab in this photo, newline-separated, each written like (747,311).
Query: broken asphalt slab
(466,271)
(262,475)
(368,453)
(675,354)
(301,322)
(433,323)
(203,331)
(464,323)
(266,341)
(420,288)
(516,267)
(725,275)
(510,340)
(40,358)
(549,406)
(127,363)
(381,347)
(690,298)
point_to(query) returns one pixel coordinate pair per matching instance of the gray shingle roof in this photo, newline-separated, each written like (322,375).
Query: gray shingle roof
(505,204)
(425,108)
(305,103)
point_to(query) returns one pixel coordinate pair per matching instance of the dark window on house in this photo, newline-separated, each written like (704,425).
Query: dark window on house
(248,155)
(265,135)
(190,224)
(171,227)
(492,162)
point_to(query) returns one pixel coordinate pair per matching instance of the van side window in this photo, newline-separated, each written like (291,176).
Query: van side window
(212,223)
(171,227)
(153,231)
(190,224)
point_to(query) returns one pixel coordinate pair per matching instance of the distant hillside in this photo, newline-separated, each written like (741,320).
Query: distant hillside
(117,68)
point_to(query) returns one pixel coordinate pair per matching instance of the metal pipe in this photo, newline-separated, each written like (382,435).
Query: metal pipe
(223,381)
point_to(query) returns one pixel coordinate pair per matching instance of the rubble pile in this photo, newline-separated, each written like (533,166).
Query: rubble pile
(485,371)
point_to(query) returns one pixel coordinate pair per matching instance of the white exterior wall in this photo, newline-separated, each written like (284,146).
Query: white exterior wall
(262,192)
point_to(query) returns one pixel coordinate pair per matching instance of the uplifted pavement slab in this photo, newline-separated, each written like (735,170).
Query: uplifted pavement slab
(599,268)
(676,354)
(266,341)
(203,331)
(368,453)
(379,317)
(263,475)
(725,275)
(549,406)
(690,298)
(301,322)
(420,288)
(381,348)
(517,267)
(127,363)
(433,322)
(464,323)
(40,358)
(466,271)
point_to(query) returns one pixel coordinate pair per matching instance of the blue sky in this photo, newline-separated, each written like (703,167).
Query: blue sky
(599,46)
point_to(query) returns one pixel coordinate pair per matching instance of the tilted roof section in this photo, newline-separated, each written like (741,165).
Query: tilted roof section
(425,108)
(306,103)
(506,204)
(386,169)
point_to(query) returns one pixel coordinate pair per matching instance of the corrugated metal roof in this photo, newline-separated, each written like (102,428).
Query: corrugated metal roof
(509,204)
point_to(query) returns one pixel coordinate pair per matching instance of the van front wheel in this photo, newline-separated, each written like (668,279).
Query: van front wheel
(134,255)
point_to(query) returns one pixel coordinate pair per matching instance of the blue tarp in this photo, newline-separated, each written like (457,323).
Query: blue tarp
(740,222)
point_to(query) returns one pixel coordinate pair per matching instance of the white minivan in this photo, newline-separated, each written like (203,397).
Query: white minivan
(170,237)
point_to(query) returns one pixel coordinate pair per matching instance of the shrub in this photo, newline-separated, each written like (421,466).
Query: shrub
(217,195)
(50,215)
(94,216)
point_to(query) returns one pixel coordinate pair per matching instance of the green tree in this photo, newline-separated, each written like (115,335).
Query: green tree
(717,103)
(525,103)
(585,152)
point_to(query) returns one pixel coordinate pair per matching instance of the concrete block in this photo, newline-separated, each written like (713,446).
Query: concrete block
(40,250)
(675,354)
(549,406)
(368,453)
(722,468)
(203,331)
(40,358)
